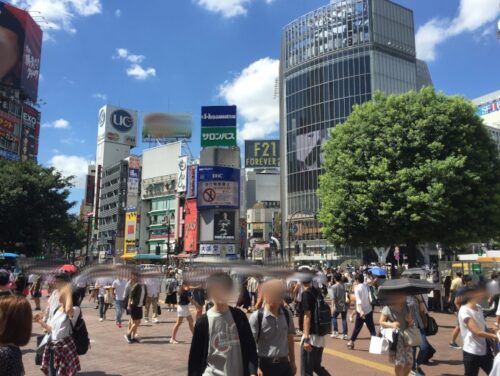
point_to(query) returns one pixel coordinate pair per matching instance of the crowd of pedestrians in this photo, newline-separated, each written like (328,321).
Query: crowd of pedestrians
(246,325)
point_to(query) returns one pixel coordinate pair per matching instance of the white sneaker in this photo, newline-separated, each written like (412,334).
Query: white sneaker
(334,335)
(101,319)
(146,320)
(156,321)
(345,337)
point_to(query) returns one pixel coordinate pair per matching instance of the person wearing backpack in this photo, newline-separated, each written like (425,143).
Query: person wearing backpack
(317,326)
(273,330)
(60,354)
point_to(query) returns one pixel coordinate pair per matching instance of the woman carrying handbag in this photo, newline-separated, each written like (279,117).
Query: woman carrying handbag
(396,315)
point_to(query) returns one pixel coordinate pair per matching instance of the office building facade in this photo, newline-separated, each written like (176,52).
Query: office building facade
(332,59)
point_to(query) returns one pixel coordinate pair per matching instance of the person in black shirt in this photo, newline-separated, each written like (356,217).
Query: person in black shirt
(312,343)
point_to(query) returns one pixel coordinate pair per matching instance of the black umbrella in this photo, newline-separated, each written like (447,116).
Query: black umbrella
(407,286)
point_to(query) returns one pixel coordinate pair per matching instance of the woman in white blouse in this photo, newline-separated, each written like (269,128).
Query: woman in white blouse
(60,353)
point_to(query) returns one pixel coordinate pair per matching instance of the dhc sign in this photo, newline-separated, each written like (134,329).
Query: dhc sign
(122,121)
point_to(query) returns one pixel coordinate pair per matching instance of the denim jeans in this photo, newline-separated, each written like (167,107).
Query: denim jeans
(343,315)
(118,311)
(358,325)
(103,307)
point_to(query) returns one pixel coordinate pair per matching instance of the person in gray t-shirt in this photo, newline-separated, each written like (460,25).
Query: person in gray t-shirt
(339,307)
(224,351)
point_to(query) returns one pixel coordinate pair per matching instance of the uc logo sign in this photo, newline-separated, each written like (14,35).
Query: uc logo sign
(122,121)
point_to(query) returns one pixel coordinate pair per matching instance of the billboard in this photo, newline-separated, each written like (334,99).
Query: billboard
(487,108)
(224,225)
(89,190)
(191,227)
(192,182)
(21,50)
(182,176)
(218,126)
(30,133)
(217,249)
(130,225)
(134,164)
(218,187)
(117,125)
(163,126)
(262,153)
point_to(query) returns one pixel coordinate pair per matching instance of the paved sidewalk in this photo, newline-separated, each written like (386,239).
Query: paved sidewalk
(110,355)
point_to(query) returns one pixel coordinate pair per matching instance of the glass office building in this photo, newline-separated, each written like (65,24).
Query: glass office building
(331,59)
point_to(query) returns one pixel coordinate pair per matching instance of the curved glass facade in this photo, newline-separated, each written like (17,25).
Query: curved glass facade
(333,58)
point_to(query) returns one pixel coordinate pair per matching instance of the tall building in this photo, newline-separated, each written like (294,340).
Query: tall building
(19,74)
(331,59)
(488,108)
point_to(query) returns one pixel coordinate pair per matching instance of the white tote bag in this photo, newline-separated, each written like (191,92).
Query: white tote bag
(379,345)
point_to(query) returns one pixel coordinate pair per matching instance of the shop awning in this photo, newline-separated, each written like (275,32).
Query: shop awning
(128,256)
(147,256)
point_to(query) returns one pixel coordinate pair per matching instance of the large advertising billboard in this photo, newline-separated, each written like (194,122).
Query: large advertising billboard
(134,164)
(30,134)
(192,182)
(224,225)
(163,126)
(182,176)
(117,125)
(191,227)
(218,187)
(217,249)
(218,126)
(262,153)
(89,190)
(20,50)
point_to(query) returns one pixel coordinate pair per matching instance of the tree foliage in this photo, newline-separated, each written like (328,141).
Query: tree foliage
(411,168)
(34,208)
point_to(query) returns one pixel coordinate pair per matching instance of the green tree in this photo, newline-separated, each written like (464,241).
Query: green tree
(34,206)
(408,169)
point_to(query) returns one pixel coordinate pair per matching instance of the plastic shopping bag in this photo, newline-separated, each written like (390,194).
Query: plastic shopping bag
(379,345)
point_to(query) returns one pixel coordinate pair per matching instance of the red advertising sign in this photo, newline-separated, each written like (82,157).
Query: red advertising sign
(20,51)
(6,124)
(191,227)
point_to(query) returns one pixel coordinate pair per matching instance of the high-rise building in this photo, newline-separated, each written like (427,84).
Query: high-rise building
(331,59)
(488,108)
(19,75)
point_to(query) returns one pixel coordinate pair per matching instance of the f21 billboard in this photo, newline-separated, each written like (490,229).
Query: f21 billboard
(262,153)
(20,50)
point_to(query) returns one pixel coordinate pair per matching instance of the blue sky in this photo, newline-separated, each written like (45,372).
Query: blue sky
(177,55)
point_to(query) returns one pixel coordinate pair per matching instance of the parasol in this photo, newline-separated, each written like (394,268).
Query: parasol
(69,268)
(408,286)
(378,271)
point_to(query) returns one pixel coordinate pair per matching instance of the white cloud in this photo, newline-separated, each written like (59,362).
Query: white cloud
(60,14)
(57,124)
(72,141)
(253,91)
(71,165)
(140,73)
(100,96)
(472,16)
(135,69)
(118,13)
(227,8)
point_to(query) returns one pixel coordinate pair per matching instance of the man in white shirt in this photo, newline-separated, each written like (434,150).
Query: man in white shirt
(153,288)
(119,291)
(364,313)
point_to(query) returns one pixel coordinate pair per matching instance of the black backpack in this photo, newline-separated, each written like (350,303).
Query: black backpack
(80,336)
(322,315)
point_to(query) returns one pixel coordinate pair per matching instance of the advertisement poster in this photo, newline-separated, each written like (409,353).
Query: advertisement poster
(163,126)
(224,225)
(191,227)
(20,55)
(133,181)
(30,133)
(262,153)
(89,190)
(117,125)
(130,226)
(218,126)
(182,175)
(209,249)
(218,187)
(192,182)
